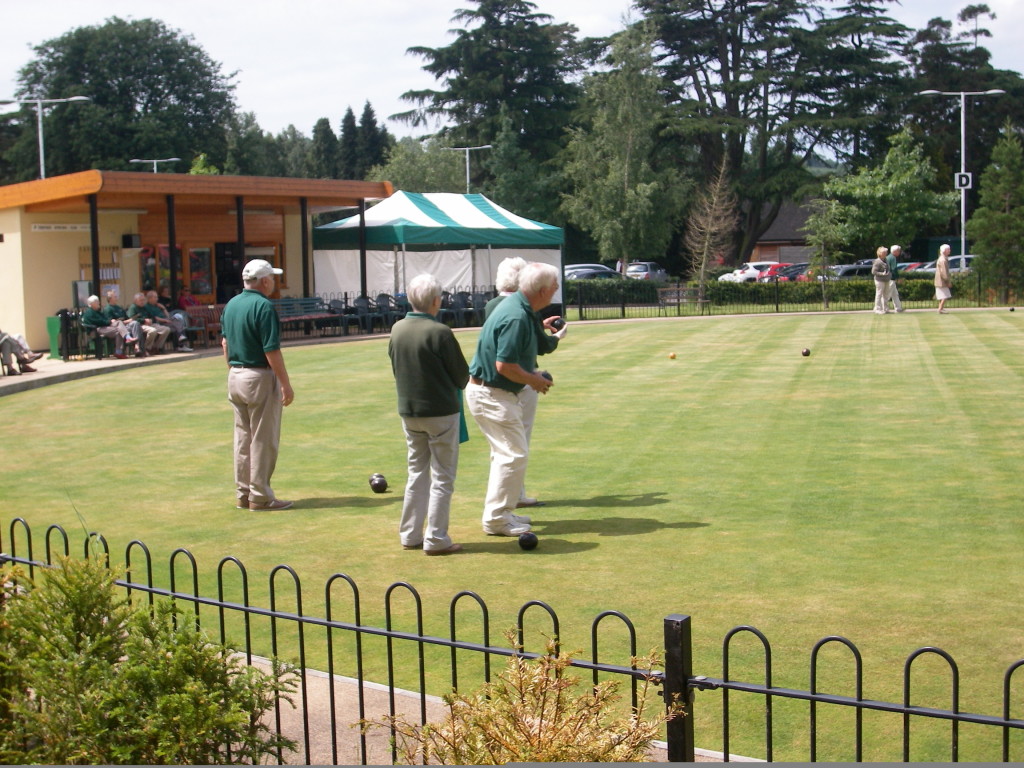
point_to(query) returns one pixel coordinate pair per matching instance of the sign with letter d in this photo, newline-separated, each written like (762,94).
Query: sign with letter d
(962,181)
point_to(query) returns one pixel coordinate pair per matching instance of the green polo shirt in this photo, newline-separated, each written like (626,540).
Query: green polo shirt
(252,328)
(509,335)
(546,343)
(894,270)
(93,318)
(115,312)
(429,366)
(145,312)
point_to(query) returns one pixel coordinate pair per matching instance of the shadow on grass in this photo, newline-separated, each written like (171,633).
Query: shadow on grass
(362,502)
(611,526)
(509,545)
(614,500)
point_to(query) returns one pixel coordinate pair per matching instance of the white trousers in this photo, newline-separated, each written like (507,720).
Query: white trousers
(881,294)
(893,295)
(499,414)
(433,460)
(528,397)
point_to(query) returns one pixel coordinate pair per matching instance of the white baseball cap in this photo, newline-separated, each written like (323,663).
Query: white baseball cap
(258,268)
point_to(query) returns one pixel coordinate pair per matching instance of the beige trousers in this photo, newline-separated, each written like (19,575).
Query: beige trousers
(255,395)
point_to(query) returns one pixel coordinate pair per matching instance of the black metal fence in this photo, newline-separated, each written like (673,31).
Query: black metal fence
(617,299)
(405,656)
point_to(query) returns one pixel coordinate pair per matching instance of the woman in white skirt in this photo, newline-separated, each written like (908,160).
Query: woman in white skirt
(942,281)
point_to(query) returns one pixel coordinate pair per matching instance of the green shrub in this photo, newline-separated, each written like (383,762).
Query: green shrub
(88,680)
(610,291)
(532,714)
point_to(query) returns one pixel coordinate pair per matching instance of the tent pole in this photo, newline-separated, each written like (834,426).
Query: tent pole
(362,247)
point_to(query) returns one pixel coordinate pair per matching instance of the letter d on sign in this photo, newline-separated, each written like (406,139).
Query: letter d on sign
(962,181)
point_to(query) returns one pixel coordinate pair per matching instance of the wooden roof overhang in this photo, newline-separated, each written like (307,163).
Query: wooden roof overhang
(215,195)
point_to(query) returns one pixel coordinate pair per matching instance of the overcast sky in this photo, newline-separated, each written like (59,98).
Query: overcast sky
(302,60)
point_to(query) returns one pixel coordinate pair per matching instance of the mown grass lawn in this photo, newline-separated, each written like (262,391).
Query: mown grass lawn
(870,490)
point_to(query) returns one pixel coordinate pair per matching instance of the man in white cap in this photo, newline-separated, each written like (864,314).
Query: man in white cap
(258,385)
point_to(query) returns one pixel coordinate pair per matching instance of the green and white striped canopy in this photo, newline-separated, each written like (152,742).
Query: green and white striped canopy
(437,218)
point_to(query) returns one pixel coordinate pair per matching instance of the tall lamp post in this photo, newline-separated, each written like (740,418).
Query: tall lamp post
(963,180)
(39,121)
(155,162)
(467,151)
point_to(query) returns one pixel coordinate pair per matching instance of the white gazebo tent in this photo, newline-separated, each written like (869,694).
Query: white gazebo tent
(460,239)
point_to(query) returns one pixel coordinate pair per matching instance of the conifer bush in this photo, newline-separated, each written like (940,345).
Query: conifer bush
(86,679)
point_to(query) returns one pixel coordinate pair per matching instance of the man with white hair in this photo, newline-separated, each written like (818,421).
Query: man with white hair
(429,370)
(93,319)
(258,385)
(893,295)
(504,363)
(506,280)
(155,333)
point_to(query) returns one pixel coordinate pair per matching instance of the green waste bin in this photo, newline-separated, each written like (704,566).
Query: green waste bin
(53,328)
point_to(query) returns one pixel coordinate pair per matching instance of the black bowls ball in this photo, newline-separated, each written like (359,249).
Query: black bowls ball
(528,540)
(378,483)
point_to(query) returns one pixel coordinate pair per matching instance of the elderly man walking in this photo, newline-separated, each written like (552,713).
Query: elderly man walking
(429,370)
(504,363)
(893,260)
(258,385)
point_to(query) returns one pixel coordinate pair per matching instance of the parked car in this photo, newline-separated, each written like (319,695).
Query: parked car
(769,274)
(747,273)
(846,271)
(646,270)
(594,274)
(571,269)
(956,264)
(793,272)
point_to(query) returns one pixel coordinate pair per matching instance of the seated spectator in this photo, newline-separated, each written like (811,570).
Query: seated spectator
(93,319)
(177,320)
(154,332)
(186,299)
(26,350)
(10,350)
(116,313)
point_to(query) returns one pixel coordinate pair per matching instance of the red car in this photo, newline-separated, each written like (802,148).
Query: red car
(767,275)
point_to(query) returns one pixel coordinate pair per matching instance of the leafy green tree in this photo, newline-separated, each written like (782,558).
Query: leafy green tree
(626,190)
(892,202)
(860,75)
(251,151)
(744,76)
(504,54)
(348,147)
(421,166)
(293,151)
(947,62)
(324,151)
(517,180)
(997,226)
(828,231)
(154,93)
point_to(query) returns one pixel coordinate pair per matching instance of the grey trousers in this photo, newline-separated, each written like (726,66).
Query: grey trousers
(255,395)
(433,461)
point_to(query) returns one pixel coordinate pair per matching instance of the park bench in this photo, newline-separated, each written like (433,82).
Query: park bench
(679,295)
(307,312)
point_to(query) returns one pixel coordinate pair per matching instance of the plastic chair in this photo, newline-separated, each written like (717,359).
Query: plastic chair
(367,314)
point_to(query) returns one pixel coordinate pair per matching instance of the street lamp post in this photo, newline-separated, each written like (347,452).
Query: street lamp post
(154,162)
(467,150)
(963,179)
(39,121)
